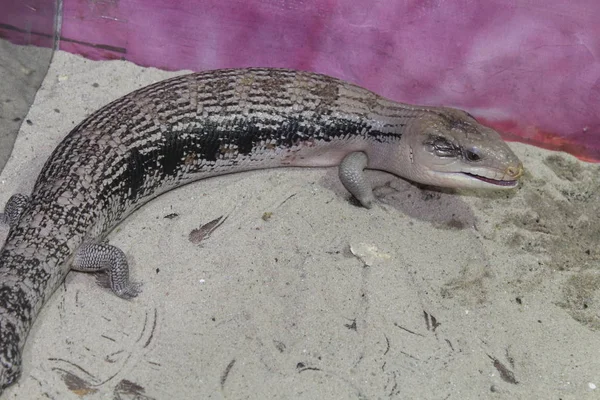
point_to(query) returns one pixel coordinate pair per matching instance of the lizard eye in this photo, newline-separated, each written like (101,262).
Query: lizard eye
(471,155)
(441,147)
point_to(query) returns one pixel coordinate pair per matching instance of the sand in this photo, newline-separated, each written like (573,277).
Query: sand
(300,294)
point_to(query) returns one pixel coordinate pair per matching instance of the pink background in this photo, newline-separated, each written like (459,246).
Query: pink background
(529,68)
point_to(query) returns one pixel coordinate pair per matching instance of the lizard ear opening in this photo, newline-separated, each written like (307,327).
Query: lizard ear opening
(440,146)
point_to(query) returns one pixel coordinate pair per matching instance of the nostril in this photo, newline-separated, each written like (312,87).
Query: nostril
(515,171)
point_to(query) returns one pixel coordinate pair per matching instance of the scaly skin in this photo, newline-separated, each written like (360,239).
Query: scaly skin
(208,124)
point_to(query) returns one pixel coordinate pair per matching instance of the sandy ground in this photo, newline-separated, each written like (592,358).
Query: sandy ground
(300,294)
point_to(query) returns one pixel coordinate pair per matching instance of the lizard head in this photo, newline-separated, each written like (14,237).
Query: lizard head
(450,148)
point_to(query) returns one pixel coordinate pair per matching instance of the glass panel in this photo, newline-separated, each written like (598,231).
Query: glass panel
(27,40)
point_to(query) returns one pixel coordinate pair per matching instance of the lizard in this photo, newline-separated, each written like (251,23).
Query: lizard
(203,125)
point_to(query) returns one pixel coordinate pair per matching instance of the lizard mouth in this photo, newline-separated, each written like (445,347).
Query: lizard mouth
(497,182)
